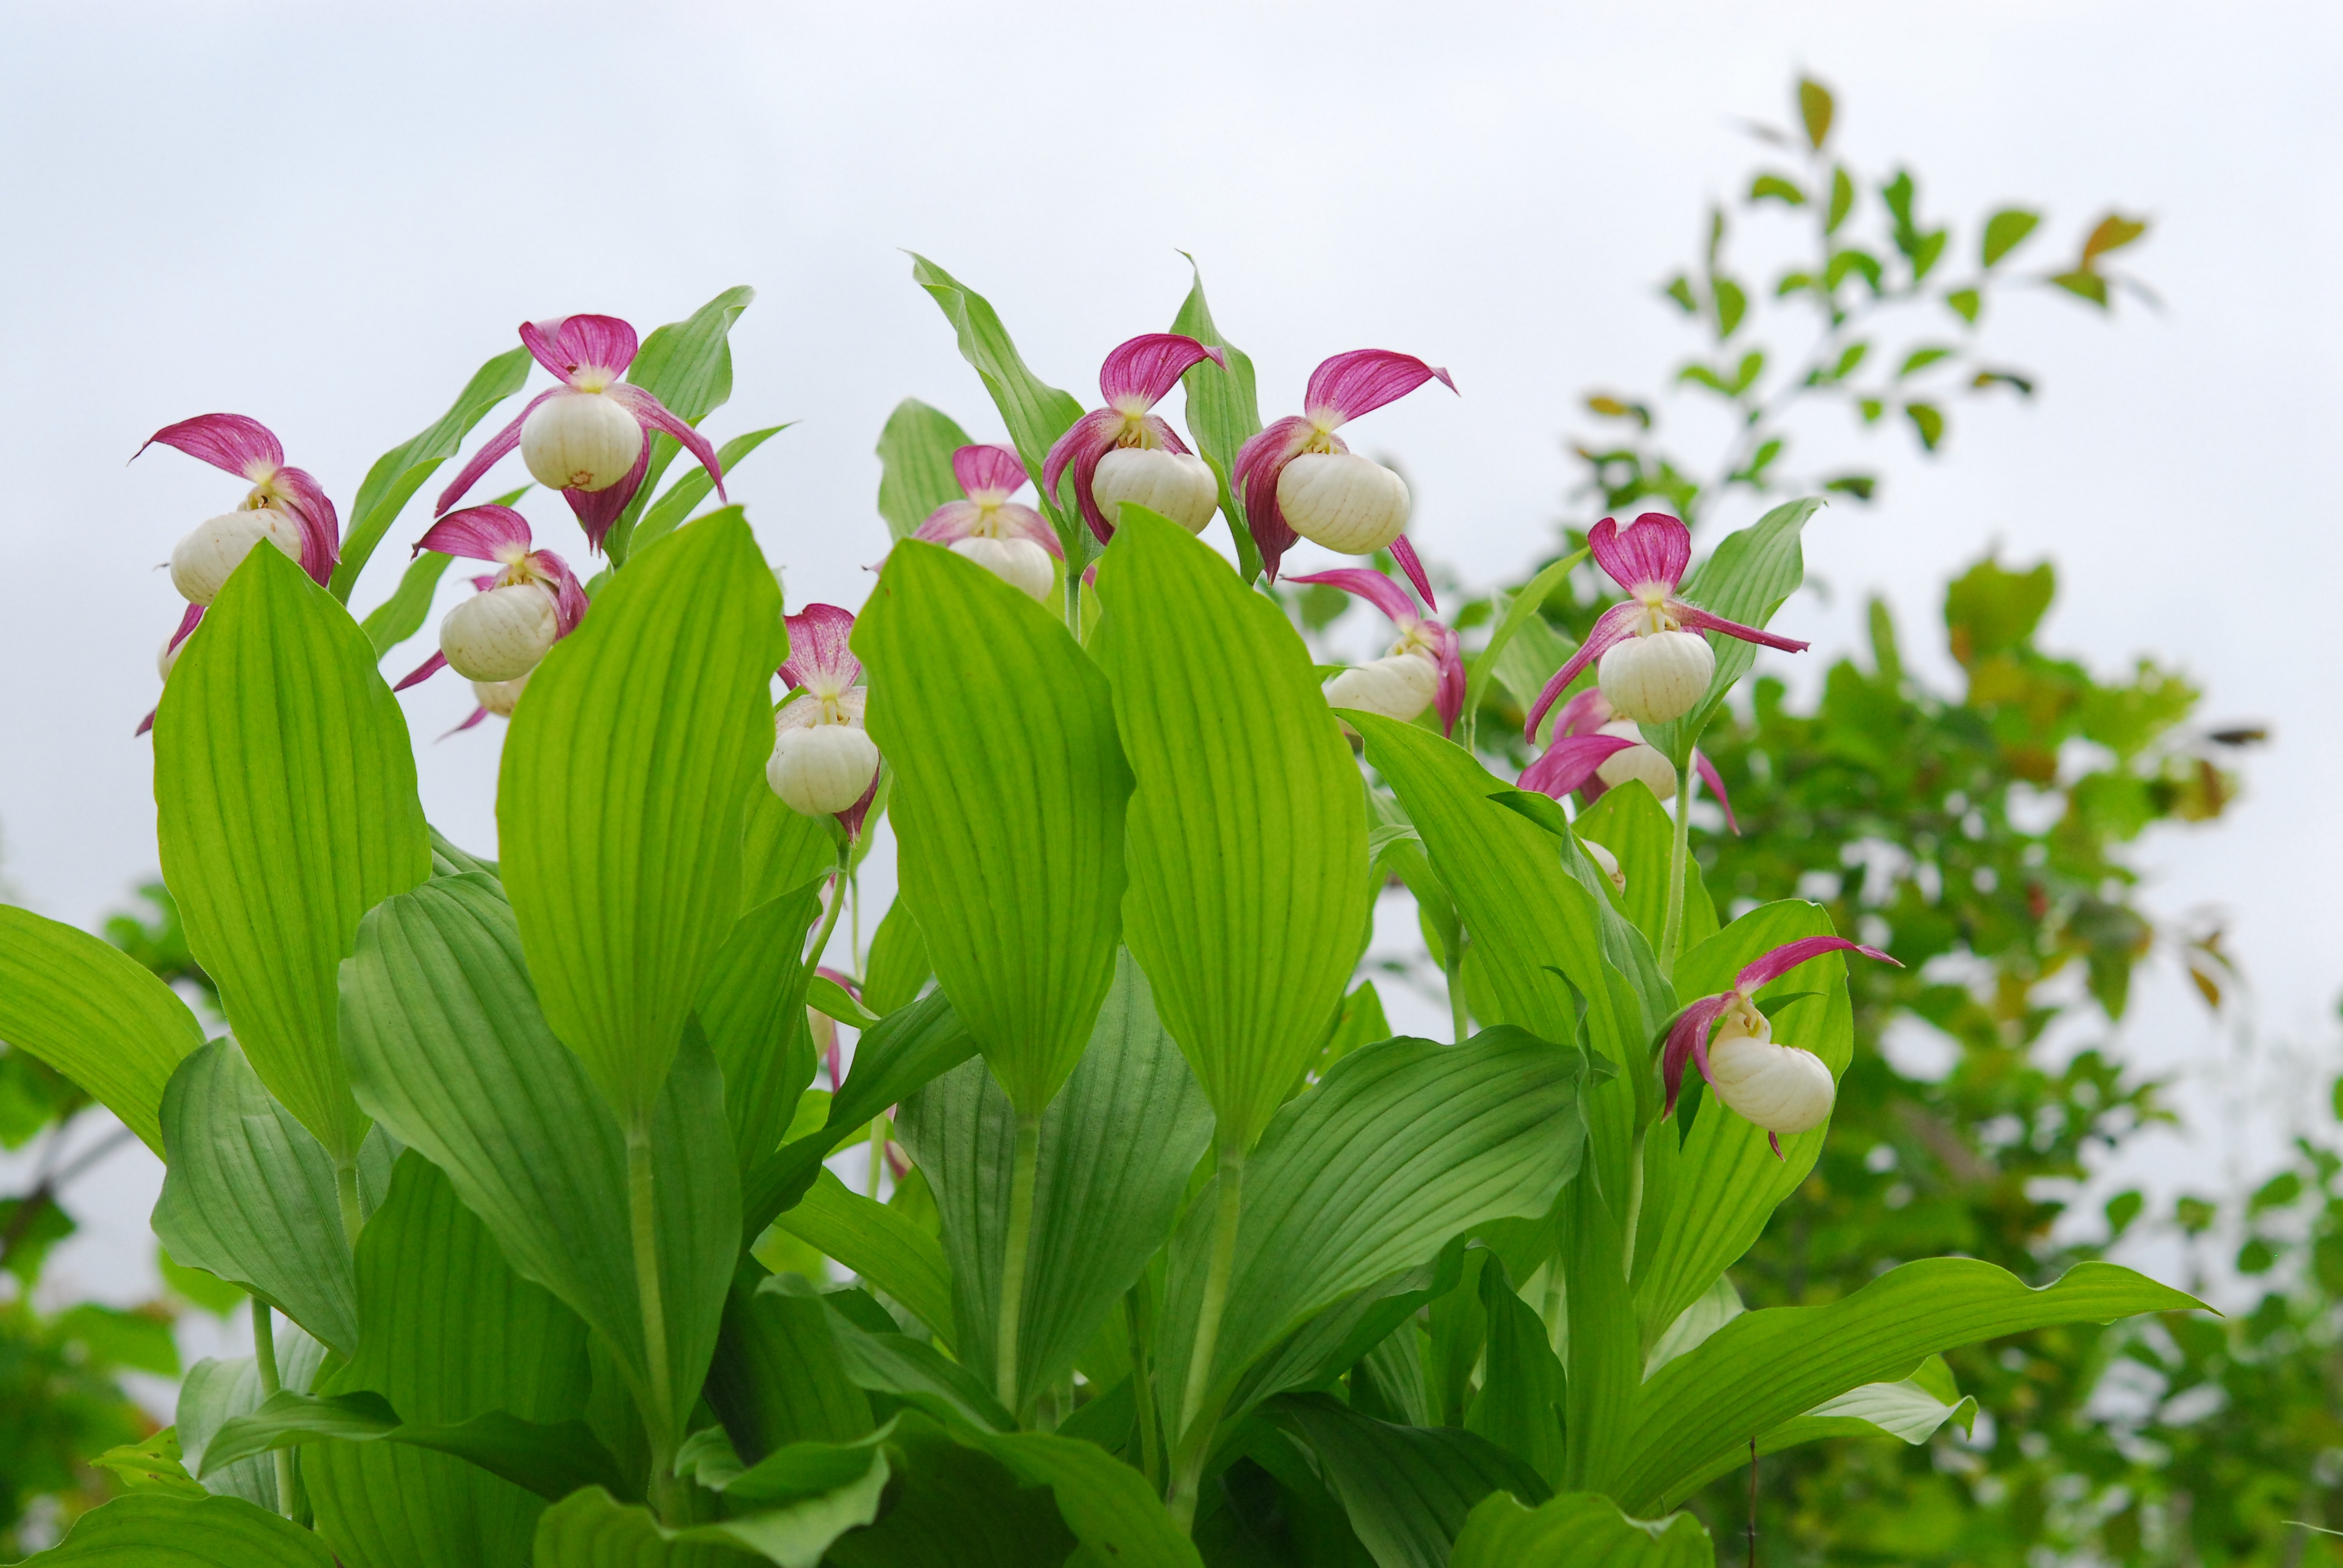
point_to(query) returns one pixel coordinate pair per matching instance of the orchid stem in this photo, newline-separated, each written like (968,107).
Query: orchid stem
(1672,930)
(264,1358)
(1634,1208)
(1195,1444)
(346,1189)
(1023,1162)
(828,918)
(1137,1310)
(642,1214)
(1459,1015)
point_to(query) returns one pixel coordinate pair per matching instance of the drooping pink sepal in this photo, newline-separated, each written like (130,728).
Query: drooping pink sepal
(956,520)
(1695,619)
(654,416)
(995,469)
(1435,640)
(1404,554)
(1687,1037)
(478,714)
(1650,553)
(487,533)
(236,442)
(501,445)
(1570,763)
(1688,1041)
(1361,381)
(1766,969)
(1613,627)
(1716,782)
(819,659)
(424,672)
(1260,462)
(1143,371)
(1374,587)
(580,343)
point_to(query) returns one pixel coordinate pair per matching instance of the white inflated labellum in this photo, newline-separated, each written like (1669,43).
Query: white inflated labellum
(820,769)
(1178,486)
(1342,501)
(580,441)
(1780,1088)
(1654,679)
(500,635)
(498,695)
(1020,563)
(1608,861)
(1400,686)
(201,562)
(1639,763)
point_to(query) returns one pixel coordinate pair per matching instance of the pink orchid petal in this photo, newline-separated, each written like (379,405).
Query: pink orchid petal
(484,582)
(242,446)
(1613,626)
(187,623)
(1698,619)
(1149,366)
(1260,461)
(1026,523)
(477,533)
(1716,782)
(575,343)
(818,648)
(952,520)
(478,714)
(1160,434)
(654,416)
(1374,587)
(1773,966)
(499,446)
(597,511)
(1363,380)
(569,600)
(1688,1041)
(145,724)
(1651,552)
(424,672)
(989,468)
(851,818)
(1583,714)
(321,528)
(1088,439)
(1569,764)
(1449,699)
(1404,554)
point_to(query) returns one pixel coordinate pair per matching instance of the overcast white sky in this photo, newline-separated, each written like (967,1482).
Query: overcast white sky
(325,217)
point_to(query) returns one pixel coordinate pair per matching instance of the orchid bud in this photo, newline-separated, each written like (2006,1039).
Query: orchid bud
(501,634)
(1779,1088)
(1020,563)
(1400,686)
(1657,677)
(1174,484)
(1606,861)
(499,695)
(580,441)
(820,769)
(1342,501)
(201,562)
(1638,763)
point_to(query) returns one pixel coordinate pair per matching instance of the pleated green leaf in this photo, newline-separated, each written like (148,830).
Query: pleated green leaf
(1579,1528)
(1407,1489)
(910,1370)
(1222,411)
(1107,1504)
(1752,575)
(898,965)
(752,1010)
(215,1393)
(284,795)
(1519,610)
(887,1249)
(915,471)
(1910,1410)
(780,851)
(1522,1397)
(593,1530)
(957,1507)
(95,1014)
(1402,1146)
(1248,831)
(448,1049)
(1010,790)
(1765,1367)
(154,1530)
(618,807)
(1631,823)
(1036,413)
(671,511)
(776,1379)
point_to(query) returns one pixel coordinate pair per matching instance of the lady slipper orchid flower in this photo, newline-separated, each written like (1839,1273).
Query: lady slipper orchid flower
(1123,453)
(1593,749)
(497,637)
(1780,1088)
(1010,540)
(1421,668)
(287,507)
(589,437)
(1654,664)
(1300,480)
(823,763)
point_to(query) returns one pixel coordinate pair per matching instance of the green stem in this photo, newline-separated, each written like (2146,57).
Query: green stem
(1634,1208)
(345,1189)
(1022,1165)
(642,1214)
(1459,1015)
(828,918)
(878,1156)
(263,1357)
(1195,1438)
(1555,1300)
(1137,1309)
(1672,931)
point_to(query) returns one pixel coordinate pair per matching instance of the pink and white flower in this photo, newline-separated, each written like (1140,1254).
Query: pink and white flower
(1780,1088)
(496,639)
(1421,668)
(1008,540)
(1124,453)
(1301,481)
(1655,666)
(824,763)
(1592,749)
(589,437)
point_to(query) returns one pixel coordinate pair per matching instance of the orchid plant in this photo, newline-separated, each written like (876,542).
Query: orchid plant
(1186,1258)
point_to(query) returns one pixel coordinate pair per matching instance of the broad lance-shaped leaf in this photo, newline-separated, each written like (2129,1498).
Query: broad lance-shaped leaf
(359,1478)
(1402,1146)
(752,1010)
(94,1013)
(882,1246)
(1518,612)
(671,510)
(1407,1489)
(618,805)
(837,1487)
(1751,575)
(448,1049)
(1248,830)
(1009,791)
(688,365)
(1631,823)
(153,1530)
(286,805)
(915,471)
(399,473)
(776,1379)
(1765,1367)
(1911,1411)
(215,1393)
(1222,411)
(1583,1530)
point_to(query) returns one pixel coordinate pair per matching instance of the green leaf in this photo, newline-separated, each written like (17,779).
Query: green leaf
(1765,1367)
(831,999)
(154,1529)
(215,1393)
(95,1014)
(1581,1529)
(2113,232)
(1036,413)
(1814,111)
(1248,834)
(776,1378)
(915,471)
(1117,1146)
(688,365)
(957,1507)
(1778,190)
(911,1370)
(402,615)
(752,1010)
(1010,793)
(887,1249)
(447,1047)
(1928,421)
(1751,575)
(286,805)
(781,851)
(619,806)
(399,473)
(2084,283)
(1520,1408)
(668,512)
(1631,823)
(1401,1147)
(249,1195)
(592,1529)
(899,963)
(1842,200)
(454,1501)
(1224,412)
(2005,231)
(1732,304)
(150,1466)
(1407,1489)
(1919,359)
(1518,612)
(1108,1506)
